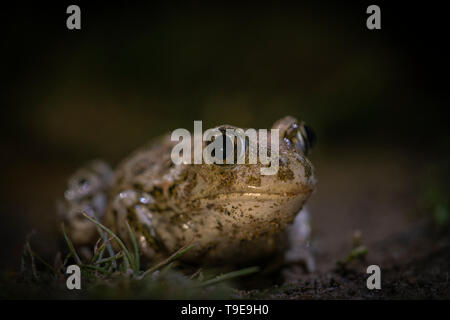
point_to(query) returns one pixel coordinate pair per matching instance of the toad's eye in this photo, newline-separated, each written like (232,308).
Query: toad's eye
(83,183)
(226,150)
(223,148)
(78,187)
(301,136)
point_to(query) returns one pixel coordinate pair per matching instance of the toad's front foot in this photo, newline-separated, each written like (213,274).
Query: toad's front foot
(299,257)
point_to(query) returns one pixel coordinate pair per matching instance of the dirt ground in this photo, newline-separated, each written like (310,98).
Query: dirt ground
(372,196)
(376,197)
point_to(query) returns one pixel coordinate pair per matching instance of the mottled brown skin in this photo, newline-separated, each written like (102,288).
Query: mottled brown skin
(232,213)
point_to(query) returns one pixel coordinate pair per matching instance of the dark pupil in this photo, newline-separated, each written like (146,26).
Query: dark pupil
(226,147)
(310,136)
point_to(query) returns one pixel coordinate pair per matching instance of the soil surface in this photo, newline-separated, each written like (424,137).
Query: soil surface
(373,199)
(369,198)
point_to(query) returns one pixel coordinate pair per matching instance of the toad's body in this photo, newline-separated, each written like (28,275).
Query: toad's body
(232,213)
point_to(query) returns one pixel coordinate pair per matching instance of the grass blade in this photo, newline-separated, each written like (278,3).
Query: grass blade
(109,248)
(228,276)
(33,265)
(70,245)
(196,274)
(34,254)
(98,252)
(88,266)
(110,259)
(66,259)
(136,249)
(173,257)
(112,234)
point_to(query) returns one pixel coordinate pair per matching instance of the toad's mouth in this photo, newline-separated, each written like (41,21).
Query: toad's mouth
(255,196)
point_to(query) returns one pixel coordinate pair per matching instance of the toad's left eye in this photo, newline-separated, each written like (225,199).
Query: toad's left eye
(301,136)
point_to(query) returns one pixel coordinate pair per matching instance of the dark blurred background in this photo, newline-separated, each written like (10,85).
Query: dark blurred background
(376,99)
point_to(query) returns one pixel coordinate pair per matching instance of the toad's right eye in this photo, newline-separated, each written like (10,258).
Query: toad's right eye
(300,136)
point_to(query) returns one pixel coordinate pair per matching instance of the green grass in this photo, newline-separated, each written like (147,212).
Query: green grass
(117,275)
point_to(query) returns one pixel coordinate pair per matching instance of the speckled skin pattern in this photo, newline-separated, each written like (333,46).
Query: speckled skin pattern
(232,213)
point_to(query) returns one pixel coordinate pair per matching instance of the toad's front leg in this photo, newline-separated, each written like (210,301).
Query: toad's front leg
(299,252)
(134,207)
(86,193)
